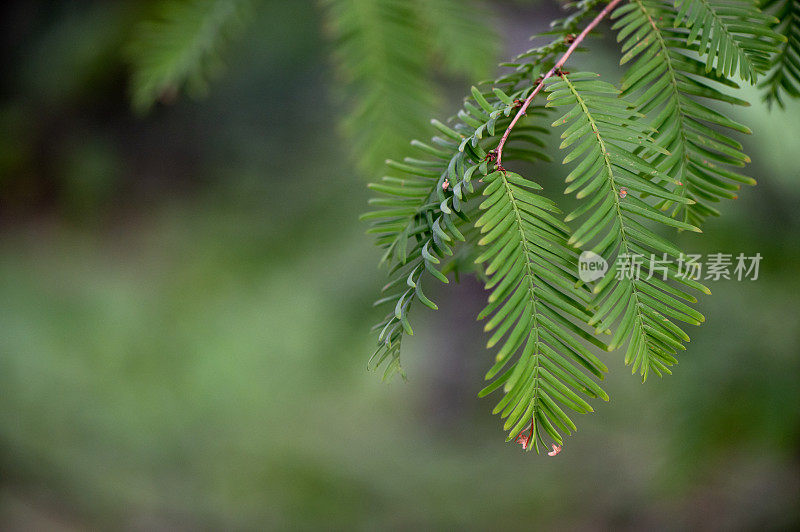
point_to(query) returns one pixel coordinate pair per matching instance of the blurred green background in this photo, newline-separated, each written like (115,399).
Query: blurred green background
(185,304)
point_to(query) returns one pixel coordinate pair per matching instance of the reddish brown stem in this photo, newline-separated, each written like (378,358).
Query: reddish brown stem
(563,59)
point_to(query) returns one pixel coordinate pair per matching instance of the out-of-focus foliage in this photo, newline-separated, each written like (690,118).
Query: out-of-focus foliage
(180,46)
(171,356)
(784,79)
(461,36)
(382,55)
(385,53)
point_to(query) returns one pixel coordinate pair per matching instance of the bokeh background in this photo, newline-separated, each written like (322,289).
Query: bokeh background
(185,304)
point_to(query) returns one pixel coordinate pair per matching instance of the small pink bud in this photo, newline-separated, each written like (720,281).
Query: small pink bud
(445,184)
(523,440)
(623,192)
(680,183)
(555,451)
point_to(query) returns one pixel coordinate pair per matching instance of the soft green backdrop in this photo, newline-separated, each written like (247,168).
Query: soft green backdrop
(185,303)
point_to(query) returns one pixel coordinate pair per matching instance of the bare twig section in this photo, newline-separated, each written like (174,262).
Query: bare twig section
(563,59)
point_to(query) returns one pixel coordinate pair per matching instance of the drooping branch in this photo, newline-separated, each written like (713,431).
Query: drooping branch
(563,59)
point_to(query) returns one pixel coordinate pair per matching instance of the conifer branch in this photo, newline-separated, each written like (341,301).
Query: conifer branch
(635,160)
